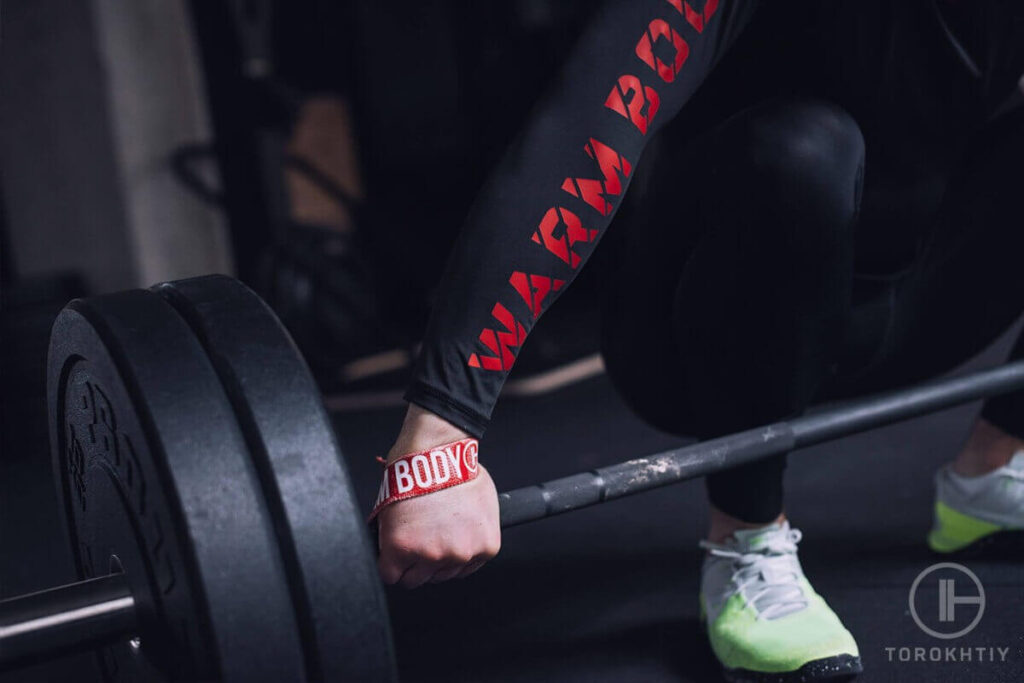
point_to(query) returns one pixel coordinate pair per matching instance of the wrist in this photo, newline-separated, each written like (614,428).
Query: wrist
(417,474)
(421,431)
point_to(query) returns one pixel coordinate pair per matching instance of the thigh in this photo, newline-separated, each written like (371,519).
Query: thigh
(733,247)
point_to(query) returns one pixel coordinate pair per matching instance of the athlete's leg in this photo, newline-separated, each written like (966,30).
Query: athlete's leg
(965,289)
(1005,415)
(729,313)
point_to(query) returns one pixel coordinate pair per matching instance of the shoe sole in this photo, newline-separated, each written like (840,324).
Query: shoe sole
(1006,545)
(838,668)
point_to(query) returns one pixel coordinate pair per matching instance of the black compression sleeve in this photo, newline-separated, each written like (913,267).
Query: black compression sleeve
(540,214)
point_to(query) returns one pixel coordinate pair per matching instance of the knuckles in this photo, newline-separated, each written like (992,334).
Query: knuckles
(390,574)
(440,553)
(461,557)
(433,555)
(491,549)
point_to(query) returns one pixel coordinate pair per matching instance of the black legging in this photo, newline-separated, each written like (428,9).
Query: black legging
(751,302)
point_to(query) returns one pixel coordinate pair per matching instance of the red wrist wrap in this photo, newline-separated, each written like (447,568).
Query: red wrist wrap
(417,474)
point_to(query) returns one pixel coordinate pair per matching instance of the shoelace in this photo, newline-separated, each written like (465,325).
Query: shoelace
(1012,474)
(1010,478)
(774,598)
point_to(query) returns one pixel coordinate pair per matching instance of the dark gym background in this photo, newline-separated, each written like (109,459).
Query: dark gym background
(322,151)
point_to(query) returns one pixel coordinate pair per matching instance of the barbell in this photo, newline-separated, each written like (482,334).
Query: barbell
(212,521)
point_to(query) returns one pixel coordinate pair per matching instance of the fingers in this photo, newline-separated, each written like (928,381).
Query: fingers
(464,569)
(412,569)
(393,565)
(416,576)
(447,573)
(434,569)
(490,550)
(471,568)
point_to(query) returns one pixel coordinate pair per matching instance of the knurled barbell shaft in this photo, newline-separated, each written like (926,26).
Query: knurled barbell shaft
(90,613)
(78,616)
(642,474)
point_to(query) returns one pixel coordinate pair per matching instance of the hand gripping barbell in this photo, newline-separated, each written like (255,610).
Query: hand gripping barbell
(210,514)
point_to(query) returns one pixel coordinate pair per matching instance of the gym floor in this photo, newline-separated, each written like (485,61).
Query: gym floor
(607,593)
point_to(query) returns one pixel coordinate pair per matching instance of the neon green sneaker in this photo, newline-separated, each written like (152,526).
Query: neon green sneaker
(764,620)
(972,512)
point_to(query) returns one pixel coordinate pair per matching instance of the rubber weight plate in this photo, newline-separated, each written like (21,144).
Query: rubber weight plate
(337,598)
(156,480)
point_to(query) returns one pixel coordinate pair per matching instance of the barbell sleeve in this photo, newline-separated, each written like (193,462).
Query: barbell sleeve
(581,490)
(77,616)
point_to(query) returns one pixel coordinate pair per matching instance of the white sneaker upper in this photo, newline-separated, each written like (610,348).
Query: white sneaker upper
(996,497)
(762,565)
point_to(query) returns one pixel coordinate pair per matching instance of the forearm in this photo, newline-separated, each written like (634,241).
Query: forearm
(539,217)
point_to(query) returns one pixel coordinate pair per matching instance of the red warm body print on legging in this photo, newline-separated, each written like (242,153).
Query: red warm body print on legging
(560,230)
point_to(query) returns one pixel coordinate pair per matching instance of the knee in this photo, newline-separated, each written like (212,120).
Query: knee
(808,153)
(803,139)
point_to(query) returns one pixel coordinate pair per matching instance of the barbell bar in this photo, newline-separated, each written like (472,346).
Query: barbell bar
(141,477)
(706,457)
